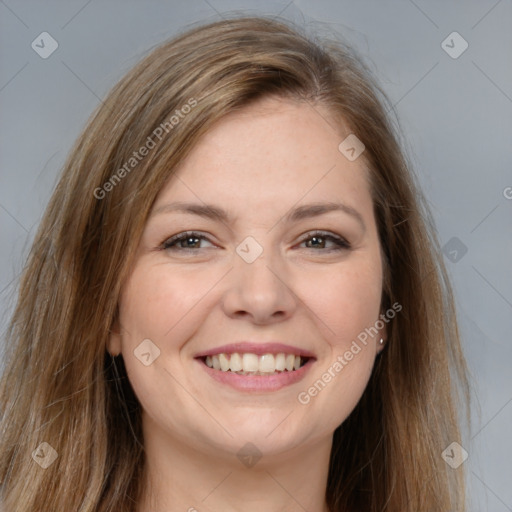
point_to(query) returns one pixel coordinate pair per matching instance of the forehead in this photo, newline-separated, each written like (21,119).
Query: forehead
(275,151)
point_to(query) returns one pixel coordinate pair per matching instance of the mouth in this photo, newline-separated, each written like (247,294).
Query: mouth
(251,364)
(253,367)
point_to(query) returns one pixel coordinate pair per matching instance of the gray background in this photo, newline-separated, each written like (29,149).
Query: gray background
(455,113)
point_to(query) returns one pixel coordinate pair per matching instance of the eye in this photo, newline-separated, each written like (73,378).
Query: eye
(317,240)
(320,239)
(189,240)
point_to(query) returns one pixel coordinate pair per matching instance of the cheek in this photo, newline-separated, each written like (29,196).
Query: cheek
(347,302)
(158,303)
(156,299)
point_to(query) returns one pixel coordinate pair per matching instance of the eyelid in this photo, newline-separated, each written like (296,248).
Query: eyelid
(341,242)
(183,235)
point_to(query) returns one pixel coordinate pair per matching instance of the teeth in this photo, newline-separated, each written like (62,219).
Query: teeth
(224,362)
(249,363)
(267,363)
(252,364)
(280,362)
(235,363)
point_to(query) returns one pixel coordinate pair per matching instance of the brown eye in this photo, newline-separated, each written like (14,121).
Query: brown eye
(318,240)
(186,241)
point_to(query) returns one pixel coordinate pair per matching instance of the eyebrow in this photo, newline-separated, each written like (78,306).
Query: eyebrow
(300,213)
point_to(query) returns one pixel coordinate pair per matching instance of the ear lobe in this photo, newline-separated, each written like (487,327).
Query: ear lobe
(114,340)
(384,333)
(114,344)
(382,336)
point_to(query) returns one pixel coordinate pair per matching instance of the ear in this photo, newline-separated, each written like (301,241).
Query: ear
(114,339)
(382,335)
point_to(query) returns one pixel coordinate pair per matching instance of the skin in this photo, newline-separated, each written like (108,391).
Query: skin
(258,163)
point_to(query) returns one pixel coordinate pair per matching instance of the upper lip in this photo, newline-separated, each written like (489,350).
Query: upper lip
(250,347)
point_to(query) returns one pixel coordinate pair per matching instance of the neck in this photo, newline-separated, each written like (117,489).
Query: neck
(182,477)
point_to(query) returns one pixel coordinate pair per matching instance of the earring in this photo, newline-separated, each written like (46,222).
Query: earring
(381,341)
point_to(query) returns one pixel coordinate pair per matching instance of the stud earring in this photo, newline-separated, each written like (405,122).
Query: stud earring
(381,341)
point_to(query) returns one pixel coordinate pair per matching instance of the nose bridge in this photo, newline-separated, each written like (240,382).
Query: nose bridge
(258,285)
(258,275)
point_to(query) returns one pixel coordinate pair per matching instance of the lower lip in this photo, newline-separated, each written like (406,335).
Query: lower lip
(258,382)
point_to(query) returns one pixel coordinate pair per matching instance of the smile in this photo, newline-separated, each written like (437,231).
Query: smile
(251,366)
(254,364)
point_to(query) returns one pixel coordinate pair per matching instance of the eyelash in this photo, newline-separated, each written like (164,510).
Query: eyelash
(341,243)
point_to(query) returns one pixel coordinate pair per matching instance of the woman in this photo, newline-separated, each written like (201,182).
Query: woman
(234,300)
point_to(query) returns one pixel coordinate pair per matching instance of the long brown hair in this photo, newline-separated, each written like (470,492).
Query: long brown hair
(60,386)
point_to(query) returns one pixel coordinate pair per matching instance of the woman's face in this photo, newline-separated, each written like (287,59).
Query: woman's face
(265,204)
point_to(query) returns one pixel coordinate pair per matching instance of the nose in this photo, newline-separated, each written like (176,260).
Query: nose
(259,291)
